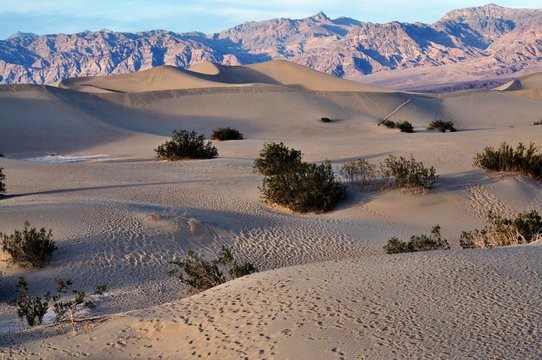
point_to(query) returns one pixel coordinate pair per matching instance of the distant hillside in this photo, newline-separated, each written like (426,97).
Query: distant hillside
(489,40)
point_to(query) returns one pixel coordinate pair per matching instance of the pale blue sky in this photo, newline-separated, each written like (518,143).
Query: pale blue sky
(71,16)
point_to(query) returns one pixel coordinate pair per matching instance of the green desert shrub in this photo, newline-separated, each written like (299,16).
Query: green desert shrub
(407,174)
(325,120)
(277,159)
(418,243)
(537,123)
(100,289)
(388,123)
(308,188)
(2,181)
(524,160)
(227,133)
(405,127)
(525,228)
(202,274)
(33,309)
(442,126)
(359,172)
(29,247)
(186,145)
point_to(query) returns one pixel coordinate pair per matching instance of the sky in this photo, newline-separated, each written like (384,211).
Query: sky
(208,16)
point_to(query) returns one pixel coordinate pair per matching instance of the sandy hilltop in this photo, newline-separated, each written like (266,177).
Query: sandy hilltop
(79,159)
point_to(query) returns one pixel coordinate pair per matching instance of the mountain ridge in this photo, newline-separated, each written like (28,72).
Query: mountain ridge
(491,41)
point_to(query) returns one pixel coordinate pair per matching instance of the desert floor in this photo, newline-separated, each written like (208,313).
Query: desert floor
(326,290)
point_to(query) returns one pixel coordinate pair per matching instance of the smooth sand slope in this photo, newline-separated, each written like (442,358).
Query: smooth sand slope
(208,75)
(119,216)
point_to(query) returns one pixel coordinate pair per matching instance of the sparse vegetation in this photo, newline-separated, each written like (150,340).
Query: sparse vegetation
(360,172)
(524,160)
(537,123)
(325,120)
(388,123)
(405,127)
(100,289)
(29,247)
(227,133)
(306,188)
(186,145)
(418,243)
(33,309)
(442,126)
(525,228)
(277,159)
(393,173)
(407,174)
(2,181)
(202,274)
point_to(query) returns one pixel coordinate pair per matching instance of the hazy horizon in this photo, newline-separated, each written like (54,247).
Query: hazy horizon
(64,16)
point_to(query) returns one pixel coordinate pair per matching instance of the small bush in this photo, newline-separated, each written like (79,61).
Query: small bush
(442,126)
(525,228)
(100,289)
(29,247)
(186,145)
(359,172)
(223,134)
(523,160)
(388,123)
(537,123)
(325,120)
(418,243)
(405,127)
(2,179)
(277,159)
(67,308)
(201,274)
(31,309)
(407,174)
(308,188)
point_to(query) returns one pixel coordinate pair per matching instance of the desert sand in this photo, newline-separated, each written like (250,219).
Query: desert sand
(79,159)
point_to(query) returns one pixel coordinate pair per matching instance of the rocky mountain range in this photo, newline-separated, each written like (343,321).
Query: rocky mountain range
(491,40)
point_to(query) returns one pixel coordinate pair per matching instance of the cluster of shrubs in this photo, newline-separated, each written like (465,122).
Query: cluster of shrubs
(525,228)
(524,160)
(202,274)
(191,145)
(227,133)
(33,309)
(442,126)
(186,145)
(393,173)
(537,123)
(29,247)
(418,243)
(403,126)
(294,184)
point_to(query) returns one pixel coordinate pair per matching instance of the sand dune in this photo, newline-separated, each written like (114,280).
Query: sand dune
(412,306)
(208,75)
(120,216)
(530,82)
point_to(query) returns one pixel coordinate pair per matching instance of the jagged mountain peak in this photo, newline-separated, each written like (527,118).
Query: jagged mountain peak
(321,16)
